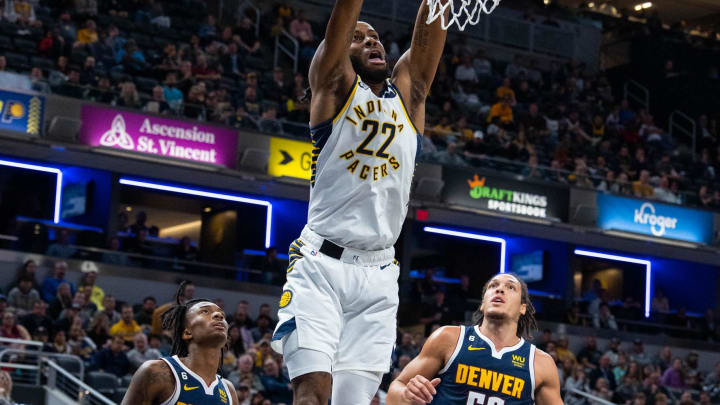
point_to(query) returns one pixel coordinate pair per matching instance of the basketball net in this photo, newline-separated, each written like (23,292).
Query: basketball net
(466,12)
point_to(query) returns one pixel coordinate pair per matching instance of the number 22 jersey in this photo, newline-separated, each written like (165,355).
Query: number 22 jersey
(477,374)
(362,167)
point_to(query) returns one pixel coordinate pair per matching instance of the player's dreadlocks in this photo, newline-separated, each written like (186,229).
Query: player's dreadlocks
(174,320)
(527,323)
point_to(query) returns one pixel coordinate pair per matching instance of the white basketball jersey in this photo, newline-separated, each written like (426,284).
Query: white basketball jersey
(362,168)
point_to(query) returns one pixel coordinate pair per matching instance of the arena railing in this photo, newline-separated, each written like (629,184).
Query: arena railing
(28,363)
(592,398)
(59,379)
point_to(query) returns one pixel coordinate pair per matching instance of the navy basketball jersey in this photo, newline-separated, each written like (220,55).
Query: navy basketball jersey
(190,389)
(477,374)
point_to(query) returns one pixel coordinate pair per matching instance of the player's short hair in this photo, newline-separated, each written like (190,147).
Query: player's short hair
(527,324)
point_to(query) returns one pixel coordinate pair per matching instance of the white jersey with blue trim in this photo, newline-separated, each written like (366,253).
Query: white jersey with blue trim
(362,169)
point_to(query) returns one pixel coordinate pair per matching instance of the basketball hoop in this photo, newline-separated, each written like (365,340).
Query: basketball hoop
(466,12)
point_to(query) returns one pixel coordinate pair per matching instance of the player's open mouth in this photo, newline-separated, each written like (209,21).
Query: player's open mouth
(219,325)
(498,299)
(376,58)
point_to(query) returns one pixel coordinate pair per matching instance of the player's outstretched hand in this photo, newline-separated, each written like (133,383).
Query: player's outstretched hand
(420,390)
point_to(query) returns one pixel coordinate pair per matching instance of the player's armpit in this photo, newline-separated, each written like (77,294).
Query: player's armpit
(432,358)
(152,383)
(332,58)
(547,382)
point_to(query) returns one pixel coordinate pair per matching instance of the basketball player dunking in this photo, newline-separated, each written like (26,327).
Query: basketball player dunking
(189,376)
(488,364)
(337,317)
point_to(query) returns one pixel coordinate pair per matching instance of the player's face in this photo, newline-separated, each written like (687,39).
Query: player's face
(206,324)
(368,54)
(503,298)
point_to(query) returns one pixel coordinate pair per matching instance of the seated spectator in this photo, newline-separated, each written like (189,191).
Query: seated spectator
(67,28)
(660,302)
(506,91)
(407,346)
(157,104)
(103,93)
(126,328)
(207,30)
(80,344)
(114,256)
(563,352)
(663,193)
(50,284)
(704,197)
(502,110)
(264,327)
(482,65)
(139,244)
(638,353)
(86,7)
(129,96)
(642,187)
(29,270)
(11,329)
(590,351)
(277,386)
(673,376)
(20,12)
(23,297)
(604,318)
(99,330)
(61,247)
(38,82)
(202,71)
(247,38)
(244,374)
(37,318)
(87,36)
(108,306)
(268,121)
(466,75)
(141,352)
(602,390)
(71,88)
(131,58)
(6,385)
(232,62)
(59,343)
(113,359)
(576,381)
(604,371)
(172,95)
(144,315)
(88,286)
(67,317)
(450,156)
(185,250)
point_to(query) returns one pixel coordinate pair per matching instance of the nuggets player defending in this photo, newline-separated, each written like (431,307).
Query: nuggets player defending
(189,376)
(488,364)
(337,314)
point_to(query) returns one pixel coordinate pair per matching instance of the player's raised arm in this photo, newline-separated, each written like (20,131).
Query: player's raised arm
(331,72)
(416,383)
(415,71)
(547,391)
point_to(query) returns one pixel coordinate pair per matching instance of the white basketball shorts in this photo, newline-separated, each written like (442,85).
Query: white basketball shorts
(344,308)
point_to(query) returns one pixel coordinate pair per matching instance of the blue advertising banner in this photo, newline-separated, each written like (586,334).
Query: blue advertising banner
(21,112)
(654,218)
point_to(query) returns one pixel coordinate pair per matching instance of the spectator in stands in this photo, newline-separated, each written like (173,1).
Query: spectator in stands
(203,71)
(6,385)
(638,353)
(113,359)
(466,75)
(301,29)
(563,352)
(247,37)
(482,65)
(589,353)
(131,58)
(11,329)
(37,318)
(23,297)
(450,156)
(103,93)
(20,12)
(642,187)
(277,386)
(171,94)
(59,343)
(157,104)
(60,247)
(89,286)
(576,381)
(232,62)
(266,310)
(407,346)
(278,89)
(129,96)
(99,330)
(271,266)
(144,315)
(38,82)
(502,110)
(673,376)
(263,327)
(208,30)
(244,374)
(126,328)
(86,7)
(87,37)
(604,371)
(80,344)
(435,312)
(63,299)
(268,121)
(108,305)
(71,88)
(604,318)
(602,389)
(660,302)
(613,352)
(67,27)
(29,270)
(87,308)
(51,282)
(141,352)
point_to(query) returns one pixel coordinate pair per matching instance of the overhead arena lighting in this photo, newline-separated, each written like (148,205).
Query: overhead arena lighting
(643,6)
(46,169)
(475,236)
(207,194)
(646,263)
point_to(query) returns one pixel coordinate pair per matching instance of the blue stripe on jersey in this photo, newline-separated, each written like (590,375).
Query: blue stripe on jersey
(192,388)
(478,375)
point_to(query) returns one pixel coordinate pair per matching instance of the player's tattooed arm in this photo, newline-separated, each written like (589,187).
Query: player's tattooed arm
(151,384)
(547,389)
(416,383)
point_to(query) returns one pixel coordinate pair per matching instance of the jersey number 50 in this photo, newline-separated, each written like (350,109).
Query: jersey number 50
(476,398)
